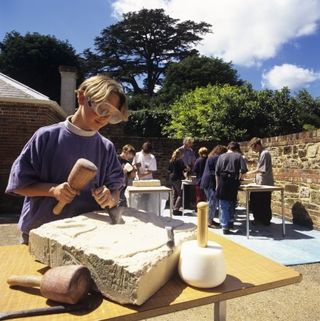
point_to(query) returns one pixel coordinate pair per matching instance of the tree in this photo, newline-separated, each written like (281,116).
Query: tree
(193,72)
(138,49)
(34,60)
(218,113)
(224,113)
(309,109)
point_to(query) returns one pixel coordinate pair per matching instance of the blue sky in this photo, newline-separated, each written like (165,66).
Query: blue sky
(272,43)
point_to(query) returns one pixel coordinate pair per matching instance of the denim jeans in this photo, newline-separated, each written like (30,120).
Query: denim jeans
(227,211)
(213,202)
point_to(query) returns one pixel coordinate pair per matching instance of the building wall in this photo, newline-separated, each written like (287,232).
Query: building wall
(18,121)
(296,166)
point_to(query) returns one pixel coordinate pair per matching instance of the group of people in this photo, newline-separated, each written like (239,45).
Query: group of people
(218,177)
(141,165)
(40,173)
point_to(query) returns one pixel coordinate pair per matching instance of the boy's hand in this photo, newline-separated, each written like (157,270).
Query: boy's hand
(65,193)
(103,197)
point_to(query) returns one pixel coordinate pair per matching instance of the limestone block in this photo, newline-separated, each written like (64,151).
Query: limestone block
(312,150)
(128,262)
(147,183)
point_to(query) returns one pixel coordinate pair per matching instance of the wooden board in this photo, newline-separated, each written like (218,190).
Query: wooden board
(247,272)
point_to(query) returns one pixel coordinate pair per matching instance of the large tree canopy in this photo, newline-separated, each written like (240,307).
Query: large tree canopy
(224,113)
(34,60)
(137,49)
(195,71)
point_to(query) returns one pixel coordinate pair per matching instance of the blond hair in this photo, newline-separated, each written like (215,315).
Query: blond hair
(129,149)
(203,151)
(98,89)
(176,154)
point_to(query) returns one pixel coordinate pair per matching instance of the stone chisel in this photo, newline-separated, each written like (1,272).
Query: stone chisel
(43,311)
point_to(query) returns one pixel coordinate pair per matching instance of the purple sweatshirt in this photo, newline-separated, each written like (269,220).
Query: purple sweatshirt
(48,157)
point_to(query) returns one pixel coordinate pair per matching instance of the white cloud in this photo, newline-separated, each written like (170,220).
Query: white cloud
(290,76)
(246,32)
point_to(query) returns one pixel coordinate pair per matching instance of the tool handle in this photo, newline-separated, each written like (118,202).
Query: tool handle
(41,311)
(58,208)
(202,218)
(24,280)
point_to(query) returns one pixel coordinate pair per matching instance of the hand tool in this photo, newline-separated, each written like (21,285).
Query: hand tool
(81,174)
(66,284)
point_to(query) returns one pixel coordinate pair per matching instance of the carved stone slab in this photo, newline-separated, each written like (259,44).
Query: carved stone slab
(128,262)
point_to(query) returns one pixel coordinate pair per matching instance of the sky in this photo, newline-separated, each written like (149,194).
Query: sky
(271,43)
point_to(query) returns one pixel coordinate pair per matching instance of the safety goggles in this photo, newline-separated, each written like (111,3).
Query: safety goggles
(107,110)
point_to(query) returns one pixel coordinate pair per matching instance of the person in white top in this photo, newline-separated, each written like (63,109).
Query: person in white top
(146,165)
(145,162)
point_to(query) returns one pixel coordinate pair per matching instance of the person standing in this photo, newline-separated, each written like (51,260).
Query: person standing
(260,202)
(208,183)
(146,165)
(189,157)
(229,169)
(176,170)
(145,162)
(125,158)
(198,169)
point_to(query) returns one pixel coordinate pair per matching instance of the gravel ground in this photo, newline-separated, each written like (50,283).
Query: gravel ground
(297,302)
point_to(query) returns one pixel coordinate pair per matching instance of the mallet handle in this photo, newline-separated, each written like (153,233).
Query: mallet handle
(202,218)
(24,280)
(58,208)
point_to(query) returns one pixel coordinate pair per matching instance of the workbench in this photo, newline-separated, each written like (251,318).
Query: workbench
(151,190)
(247,273)
(248,189)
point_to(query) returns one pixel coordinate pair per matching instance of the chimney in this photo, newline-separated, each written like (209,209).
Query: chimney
(68,87)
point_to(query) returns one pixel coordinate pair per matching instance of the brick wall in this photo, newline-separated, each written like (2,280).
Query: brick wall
(18,121)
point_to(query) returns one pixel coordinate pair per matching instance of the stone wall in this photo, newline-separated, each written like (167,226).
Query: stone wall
(296,166)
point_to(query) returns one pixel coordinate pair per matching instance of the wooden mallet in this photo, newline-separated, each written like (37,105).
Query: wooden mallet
(81,174)
(66,284)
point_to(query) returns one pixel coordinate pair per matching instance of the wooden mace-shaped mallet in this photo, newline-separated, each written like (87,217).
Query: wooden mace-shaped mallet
(201,262)
(67,284)
(81,174)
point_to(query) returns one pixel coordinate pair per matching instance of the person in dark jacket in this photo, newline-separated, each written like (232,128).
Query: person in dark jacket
(176,170)
(198,169)
(229,169)
(208,183)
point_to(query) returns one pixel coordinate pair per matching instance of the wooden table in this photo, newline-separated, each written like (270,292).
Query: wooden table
(152,189)
(262,188)
(247,273)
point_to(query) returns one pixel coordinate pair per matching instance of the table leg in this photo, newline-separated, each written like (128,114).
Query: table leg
(129,199)
(171,203)
(220,311)
(182,186)
(282,212)
(247,212)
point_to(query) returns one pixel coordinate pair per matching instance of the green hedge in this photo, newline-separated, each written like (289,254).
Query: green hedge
(147,123)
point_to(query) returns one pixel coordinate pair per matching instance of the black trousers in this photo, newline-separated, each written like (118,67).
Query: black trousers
(260,206)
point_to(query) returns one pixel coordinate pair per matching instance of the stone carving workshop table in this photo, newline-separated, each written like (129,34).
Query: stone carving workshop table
(150,189)
(262,188)
(247,273)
